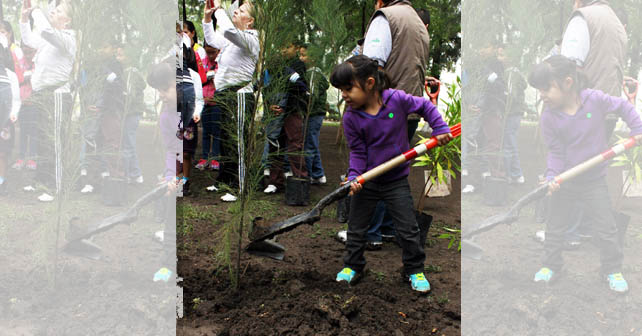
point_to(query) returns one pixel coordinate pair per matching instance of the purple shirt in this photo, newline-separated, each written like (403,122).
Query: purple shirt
(374,140)
(574,139)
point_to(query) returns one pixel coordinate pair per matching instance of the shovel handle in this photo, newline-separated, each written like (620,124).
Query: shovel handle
(596,160)
(407,156)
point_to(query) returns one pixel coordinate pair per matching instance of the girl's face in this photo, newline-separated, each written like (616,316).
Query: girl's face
(189,33)
(355,96)
(212,53)
(242,18)
(557,95)
(60,16)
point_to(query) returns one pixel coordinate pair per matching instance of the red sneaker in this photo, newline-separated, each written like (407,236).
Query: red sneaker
(202,163)
(214,165)
(18,165)
(31,164)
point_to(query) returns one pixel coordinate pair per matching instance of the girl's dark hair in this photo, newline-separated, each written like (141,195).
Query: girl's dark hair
(192,29)
(189,58)
(7,26)
(358,69)
(556,69)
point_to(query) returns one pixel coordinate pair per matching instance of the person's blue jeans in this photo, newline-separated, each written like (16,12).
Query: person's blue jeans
(313,155)
(511,151)
(210,138)
(130,158)
(381,223)
(273,131)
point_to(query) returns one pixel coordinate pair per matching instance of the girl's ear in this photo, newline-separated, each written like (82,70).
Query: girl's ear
(370,83)
(568,83)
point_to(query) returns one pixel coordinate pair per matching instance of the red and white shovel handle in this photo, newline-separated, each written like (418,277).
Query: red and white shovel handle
(596,160)
(407,156)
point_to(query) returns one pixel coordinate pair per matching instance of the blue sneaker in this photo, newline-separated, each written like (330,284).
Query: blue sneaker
(419,283)
(545,274)
(347,274)
(617,283)
(162,274)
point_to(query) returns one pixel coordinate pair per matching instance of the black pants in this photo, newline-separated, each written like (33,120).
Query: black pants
(396,195)
(594,201)
(233,133)
(53,112)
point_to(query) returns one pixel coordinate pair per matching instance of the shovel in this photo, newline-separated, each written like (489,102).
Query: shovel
(474,251)
(259,234)
(79,243)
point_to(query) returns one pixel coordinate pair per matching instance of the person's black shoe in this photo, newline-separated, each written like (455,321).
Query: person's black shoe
(186,191)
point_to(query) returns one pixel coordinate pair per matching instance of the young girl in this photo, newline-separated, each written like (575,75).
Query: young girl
(376,130)
(573,129)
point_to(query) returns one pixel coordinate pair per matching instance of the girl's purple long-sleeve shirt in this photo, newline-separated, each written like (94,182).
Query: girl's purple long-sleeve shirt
(374,140)
(574,139)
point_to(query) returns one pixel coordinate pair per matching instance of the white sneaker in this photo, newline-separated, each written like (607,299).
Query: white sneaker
(228,198)
(139,180)
(159,236)
(271,189)
(88,188)
(320,180)
(266,172)
(468,189)
(45,198)
(485,174)
(288,174)
(29,188)
(105,174)
(342,236)
(211,188)
(540,235)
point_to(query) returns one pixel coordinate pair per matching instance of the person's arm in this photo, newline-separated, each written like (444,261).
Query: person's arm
(61,40)
(577,40)
(213,38)
(555,155)
(28,37)
(198,92)
(427,110)
(358,151)
(242,39)
(15,95)
(378,42)
(625,110)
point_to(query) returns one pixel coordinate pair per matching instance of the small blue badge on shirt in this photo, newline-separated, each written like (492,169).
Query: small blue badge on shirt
(589,115)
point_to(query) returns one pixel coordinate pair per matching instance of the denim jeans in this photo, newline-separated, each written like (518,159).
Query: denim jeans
(511,151)
(396,196)
(130,158)
(313,155)
(211,136)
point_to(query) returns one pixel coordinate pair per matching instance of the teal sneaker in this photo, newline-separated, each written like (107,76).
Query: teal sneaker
(545,274)
(617,283)
(347,274)
(162,274)
(419,283)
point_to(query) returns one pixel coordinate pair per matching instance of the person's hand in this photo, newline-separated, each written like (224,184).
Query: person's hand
(444,139)
(355,187)
(26,11)
(553,186)
(196,119)
(13,118)
(276,109)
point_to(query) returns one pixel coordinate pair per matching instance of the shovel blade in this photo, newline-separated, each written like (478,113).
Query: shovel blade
(266,248)
(84,248)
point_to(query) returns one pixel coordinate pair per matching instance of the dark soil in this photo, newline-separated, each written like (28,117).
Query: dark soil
(499,296)
(298,296)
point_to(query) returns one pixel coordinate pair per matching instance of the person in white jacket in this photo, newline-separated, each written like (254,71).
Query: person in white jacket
(239,44)
(9,108)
